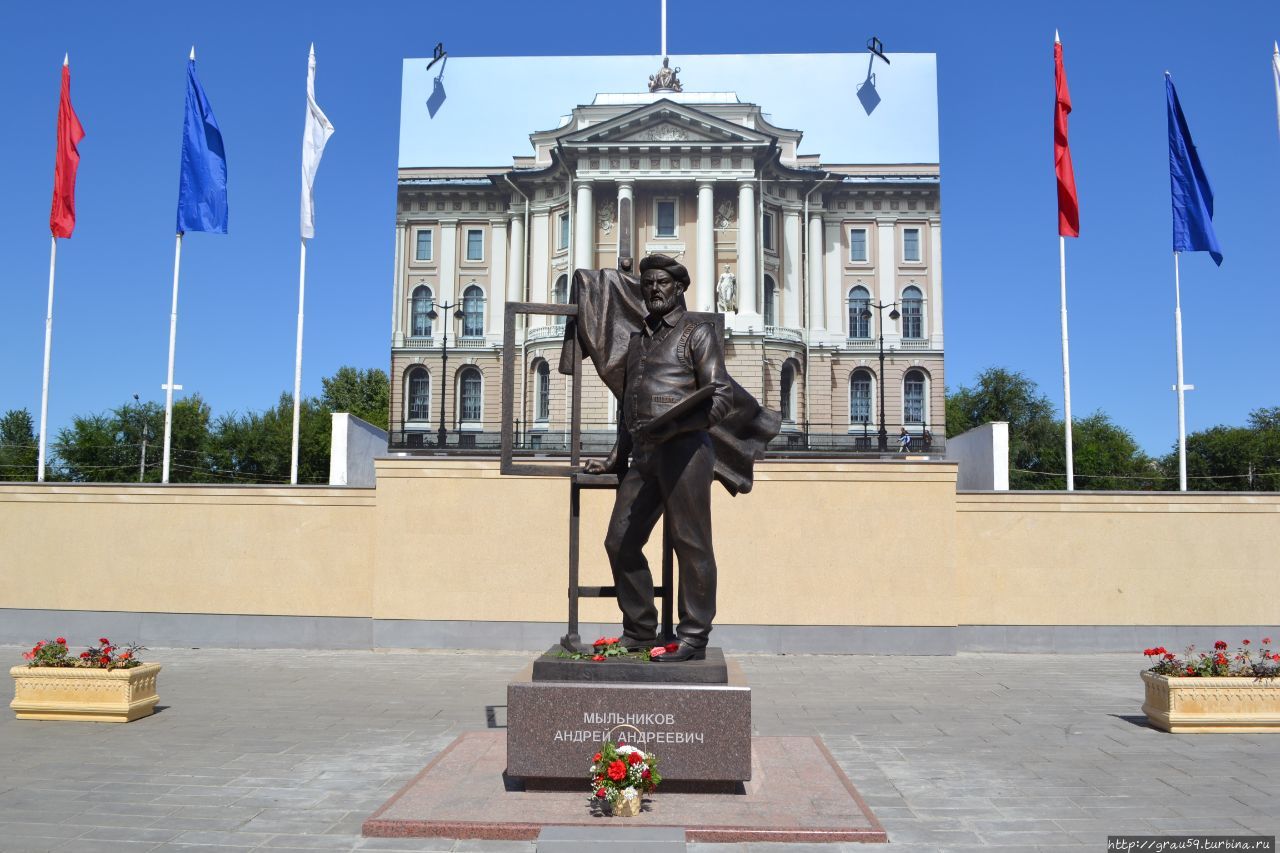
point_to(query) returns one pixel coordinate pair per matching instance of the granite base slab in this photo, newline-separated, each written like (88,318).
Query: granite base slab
(700,732)
(552,667)
(797,794)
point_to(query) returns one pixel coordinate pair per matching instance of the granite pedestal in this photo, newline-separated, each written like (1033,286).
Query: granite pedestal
(700,732)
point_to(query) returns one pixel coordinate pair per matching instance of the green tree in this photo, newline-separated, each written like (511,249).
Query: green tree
(108,447)
(363,393)
(256,447)
(19,446)
(1234,459)
(1006,395)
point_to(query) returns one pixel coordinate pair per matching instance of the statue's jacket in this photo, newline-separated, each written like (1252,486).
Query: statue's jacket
(668,363)
(610,311)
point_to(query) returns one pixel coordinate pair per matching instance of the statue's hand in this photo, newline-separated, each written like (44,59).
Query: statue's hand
(607,465)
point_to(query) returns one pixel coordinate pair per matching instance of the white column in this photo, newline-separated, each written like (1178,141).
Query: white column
(515,260)
(886,279)
(748,315)
(584,229)
(791,271)
(539,261)
(495,296)
(704,277)
(397,291)
(834,281)
(935,282)
(448,265)
(813,258)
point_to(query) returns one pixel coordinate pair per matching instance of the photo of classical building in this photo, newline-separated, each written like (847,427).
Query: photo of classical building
(827,265)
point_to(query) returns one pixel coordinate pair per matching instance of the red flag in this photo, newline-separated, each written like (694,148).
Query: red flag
(1068,207)
(62,219)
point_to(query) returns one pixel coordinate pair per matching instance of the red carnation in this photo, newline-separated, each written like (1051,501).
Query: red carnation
(671,647)
(617,771)
(602,641)
(596,757)
(601,793)
(634,758)
(62,640)
(657,652)
(644,774)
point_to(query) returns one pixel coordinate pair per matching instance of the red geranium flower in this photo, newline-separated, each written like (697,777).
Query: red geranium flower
(617,771)
(1220,645)
(671,647)
(601,793)
(1246,642)
(1169,656)
(61,640)
(634,758)
(1191,670)
(103,640)
(1266,640)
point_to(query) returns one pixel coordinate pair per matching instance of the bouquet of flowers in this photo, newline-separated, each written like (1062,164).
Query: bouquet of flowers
(621,775)
(105,655)
(1244,662)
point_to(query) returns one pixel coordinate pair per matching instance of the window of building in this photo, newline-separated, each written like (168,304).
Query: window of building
(426,247)
(473,312)
(912,313)
(666,218)
(419,394)
(859,305)
(860,397)
(564,232)
(560,296)
(766,232)
(475,244)
(770,298)
(787,392)
(542,393)
(913,385)
(911,245)
(422,305)
(858,245)
(470,394)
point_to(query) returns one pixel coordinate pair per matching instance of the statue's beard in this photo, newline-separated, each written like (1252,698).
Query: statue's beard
(660,306)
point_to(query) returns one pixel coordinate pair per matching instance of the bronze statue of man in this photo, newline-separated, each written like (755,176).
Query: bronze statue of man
(672,460)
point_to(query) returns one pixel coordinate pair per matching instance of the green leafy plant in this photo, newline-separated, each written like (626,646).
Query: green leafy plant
(611,648)
(105,655)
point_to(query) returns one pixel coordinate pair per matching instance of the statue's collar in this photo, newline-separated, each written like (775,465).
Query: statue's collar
(670,318)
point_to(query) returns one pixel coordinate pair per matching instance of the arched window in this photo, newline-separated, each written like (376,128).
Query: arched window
(422,304)
(912,313)
(560,296)
(860,397)
(859,302)
(770,309)
(913,387)
(542,393)
(470,394)
(473,312)
(419,394)
(787,392)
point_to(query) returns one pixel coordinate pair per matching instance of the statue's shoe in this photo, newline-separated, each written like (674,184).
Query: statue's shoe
(633,644)
(683,653)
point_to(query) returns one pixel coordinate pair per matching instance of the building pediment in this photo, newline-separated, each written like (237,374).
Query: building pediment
(665,123)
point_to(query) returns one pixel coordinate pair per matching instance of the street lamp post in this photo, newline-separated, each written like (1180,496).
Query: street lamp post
(883,442)
(142,415)
(442,433)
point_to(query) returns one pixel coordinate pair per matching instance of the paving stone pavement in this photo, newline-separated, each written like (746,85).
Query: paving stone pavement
(292,750)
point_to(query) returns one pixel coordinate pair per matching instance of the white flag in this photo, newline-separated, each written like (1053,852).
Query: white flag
(1275,70)
(314,137)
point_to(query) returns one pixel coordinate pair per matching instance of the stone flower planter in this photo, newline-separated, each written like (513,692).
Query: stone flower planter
(1238,704)
(95,695)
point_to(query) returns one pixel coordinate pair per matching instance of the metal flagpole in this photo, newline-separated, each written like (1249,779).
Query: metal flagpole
(664,28)
(48,343)
(297,368)
(1066,364)
(1275,71)
(1181,388)
(169,387)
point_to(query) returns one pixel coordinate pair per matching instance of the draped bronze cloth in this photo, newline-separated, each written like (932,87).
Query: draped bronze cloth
(610,310)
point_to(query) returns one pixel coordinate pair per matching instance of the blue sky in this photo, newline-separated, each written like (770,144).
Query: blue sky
(995,74)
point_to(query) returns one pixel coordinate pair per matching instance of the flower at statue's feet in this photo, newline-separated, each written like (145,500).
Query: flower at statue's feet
(657,652)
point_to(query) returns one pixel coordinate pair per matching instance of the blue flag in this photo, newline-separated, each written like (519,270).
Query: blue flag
(202,187)
(1192,195)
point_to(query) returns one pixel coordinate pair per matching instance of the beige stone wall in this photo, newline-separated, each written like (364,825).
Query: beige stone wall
(188,549)
(862,543)
(1117,559)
